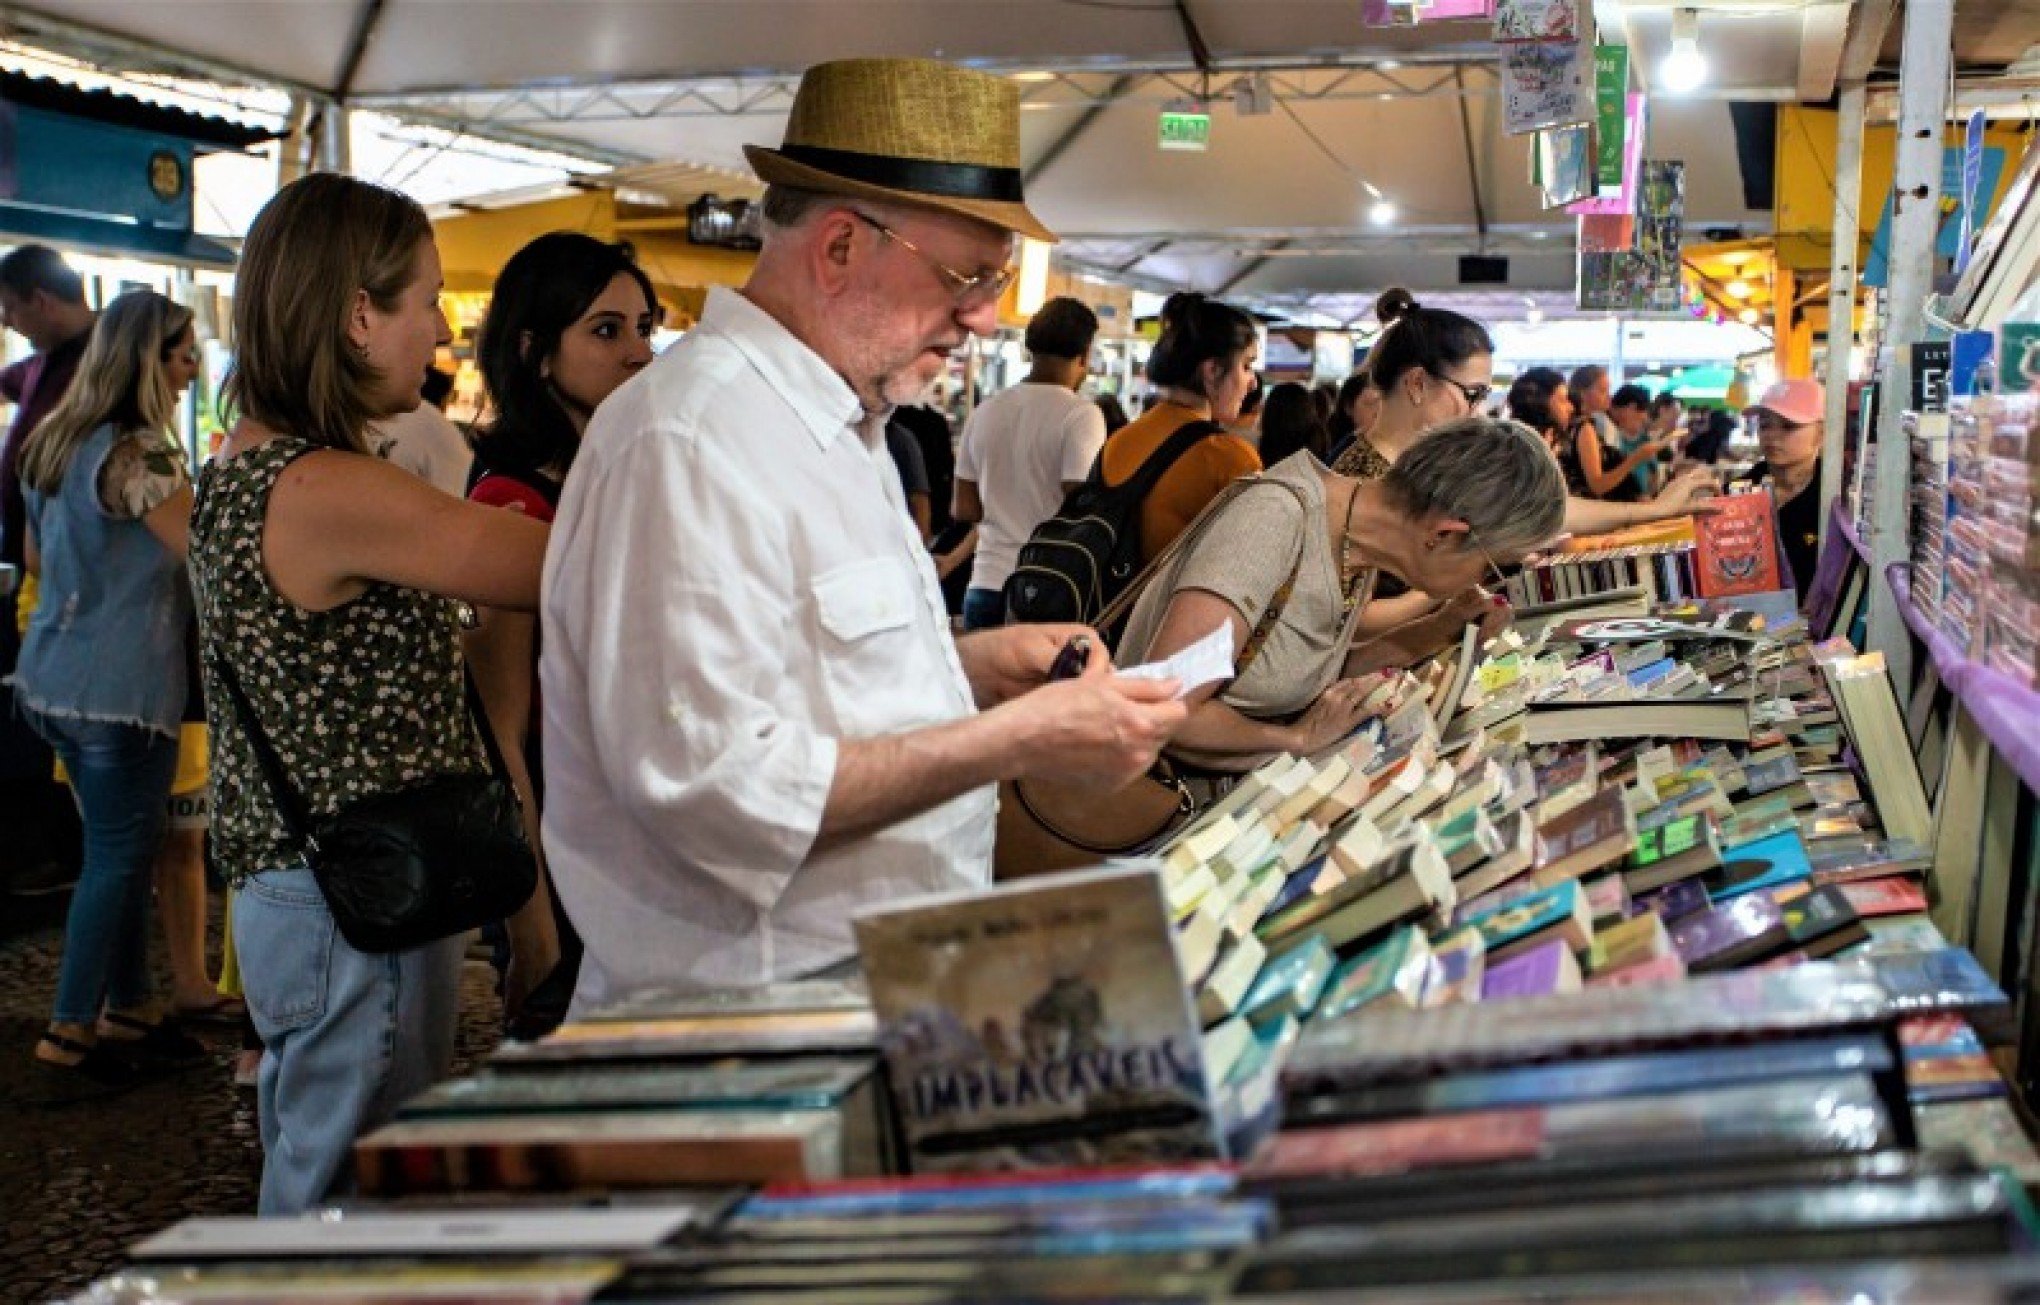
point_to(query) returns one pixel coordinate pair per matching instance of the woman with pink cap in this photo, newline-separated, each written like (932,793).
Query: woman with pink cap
(1789,421)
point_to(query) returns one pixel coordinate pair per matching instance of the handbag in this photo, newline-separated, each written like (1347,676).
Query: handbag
(1049,825)
(401,869)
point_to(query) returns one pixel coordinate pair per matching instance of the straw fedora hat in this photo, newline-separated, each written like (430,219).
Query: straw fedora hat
(913,130)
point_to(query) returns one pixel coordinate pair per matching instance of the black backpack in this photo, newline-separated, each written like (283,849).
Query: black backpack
(1079,560)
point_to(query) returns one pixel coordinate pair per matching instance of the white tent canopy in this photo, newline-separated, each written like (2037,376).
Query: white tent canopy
(1275,211)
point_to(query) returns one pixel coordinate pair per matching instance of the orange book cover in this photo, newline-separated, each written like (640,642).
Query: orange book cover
(1737,550)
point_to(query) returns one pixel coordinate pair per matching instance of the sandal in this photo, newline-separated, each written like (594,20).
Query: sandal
(162,1042)
(222,1012)
(98,1074)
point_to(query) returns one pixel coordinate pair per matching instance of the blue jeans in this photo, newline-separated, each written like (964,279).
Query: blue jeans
(347,1036)
(984,609)
(121,775)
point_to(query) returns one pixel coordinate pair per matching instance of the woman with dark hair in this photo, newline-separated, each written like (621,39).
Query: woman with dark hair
(1541,400)
(1289,424)
(1355,412)
(1201,368)
(570,320)
(329,585)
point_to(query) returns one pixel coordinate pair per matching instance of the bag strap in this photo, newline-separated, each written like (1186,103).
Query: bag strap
(289,802)
(1157,464)
(1120,607)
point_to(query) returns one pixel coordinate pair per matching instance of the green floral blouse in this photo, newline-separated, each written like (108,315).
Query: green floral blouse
(366,698)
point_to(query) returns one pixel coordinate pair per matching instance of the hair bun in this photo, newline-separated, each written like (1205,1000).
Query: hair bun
(1181,304)
(1395,304)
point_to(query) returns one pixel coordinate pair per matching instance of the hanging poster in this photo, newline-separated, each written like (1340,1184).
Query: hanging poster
(1613,233)
(1648,278)
(1537,20)
(1546,84)
(1392,13)
(1611,106)
(1623,200)
(1564,163)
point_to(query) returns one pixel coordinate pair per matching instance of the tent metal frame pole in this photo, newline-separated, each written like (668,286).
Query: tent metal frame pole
(1841,330)
(1916,199)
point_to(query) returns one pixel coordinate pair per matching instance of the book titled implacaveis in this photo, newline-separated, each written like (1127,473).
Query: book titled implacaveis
(1042,1023)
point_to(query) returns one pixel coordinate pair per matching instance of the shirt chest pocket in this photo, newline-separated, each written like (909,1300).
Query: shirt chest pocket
(880,674)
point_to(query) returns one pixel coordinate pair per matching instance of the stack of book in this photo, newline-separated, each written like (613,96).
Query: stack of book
(2008,426)
(1928,436)
(1656,558)
(661,1090)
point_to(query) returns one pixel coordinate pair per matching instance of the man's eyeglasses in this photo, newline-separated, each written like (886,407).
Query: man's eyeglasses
(1475,395)
(969,290)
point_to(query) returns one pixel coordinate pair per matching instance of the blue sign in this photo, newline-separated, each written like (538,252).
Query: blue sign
(1990,165)
(1972,175)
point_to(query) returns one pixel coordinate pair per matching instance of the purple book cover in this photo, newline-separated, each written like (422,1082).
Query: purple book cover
(1538,972)
(1676,901)
(1723,936)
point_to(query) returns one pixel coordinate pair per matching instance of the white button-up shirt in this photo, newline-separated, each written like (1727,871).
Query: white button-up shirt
(733,588)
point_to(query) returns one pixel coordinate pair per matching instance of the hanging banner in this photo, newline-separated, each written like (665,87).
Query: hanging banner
(1614,233)
(1972,181)
(1648,278)
(1546,84)
(1990,163)
(1386,13)
(1623,200)
(1611,108)
(1536,20)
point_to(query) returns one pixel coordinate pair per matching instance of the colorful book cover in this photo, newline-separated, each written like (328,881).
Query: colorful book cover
(1676,901)
(1735,933)
(1632,942)
(1608,899)
(1761,777)
(1394,970)
(1737,549)
(1543,970)
(1292,981)
(1458,966)
(1396,1146)
(1540,910)
(1768,863)
(1042,1023)
(1822,922)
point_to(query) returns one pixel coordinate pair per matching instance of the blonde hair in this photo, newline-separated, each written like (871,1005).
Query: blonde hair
(321,240)
(122,380)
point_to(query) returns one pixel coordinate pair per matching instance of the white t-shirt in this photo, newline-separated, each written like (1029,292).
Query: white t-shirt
(428,445)
(1018,449)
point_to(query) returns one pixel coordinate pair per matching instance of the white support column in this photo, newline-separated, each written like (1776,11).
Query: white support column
(1916,185)
(1842,292)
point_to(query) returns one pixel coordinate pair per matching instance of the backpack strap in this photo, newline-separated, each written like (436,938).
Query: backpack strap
(1122,606)
(1172,450)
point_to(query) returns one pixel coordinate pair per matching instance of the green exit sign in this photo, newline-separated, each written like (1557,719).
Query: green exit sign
(1185,129)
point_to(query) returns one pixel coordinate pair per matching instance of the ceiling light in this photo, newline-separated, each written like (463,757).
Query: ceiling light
(1533,315)
(1033,76)
(1748,317)
(1388,65)
(1382,214)
(1739,289)
(1684,69)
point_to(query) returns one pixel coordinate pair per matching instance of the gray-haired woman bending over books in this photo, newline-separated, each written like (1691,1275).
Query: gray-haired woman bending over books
(1289,560)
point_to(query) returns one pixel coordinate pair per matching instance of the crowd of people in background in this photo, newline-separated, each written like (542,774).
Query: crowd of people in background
(691,617)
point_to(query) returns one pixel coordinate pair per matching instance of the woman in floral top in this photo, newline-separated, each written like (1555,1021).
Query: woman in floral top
(328,580)
(101,675)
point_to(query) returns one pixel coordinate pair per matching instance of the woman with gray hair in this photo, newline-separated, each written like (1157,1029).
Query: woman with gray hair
(1289,560)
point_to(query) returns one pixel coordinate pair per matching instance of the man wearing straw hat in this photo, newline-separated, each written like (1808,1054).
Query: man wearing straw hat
(756,719)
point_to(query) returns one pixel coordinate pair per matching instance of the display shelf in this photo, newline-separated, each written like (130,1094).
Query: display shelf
(2006,711)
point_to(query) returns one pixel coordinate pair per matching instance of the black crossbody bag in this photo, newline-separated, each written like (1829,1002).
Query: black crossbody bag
(399,870)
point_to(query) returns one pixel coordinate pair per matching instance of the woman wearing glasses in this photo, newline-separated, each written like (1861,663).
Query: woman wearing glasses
(1291,562)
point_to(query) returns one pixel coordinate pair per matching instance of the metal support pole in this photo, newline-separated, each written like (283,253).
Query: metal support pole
(1916,199)
(1841,332)
(336,152)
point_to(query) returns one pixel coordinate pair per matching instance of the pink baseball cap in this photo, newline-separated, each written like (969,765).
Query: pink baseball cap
(1801,402)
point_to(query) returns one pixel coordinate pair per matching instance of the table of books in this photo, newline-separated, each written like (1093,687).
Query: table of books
(1585,971)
